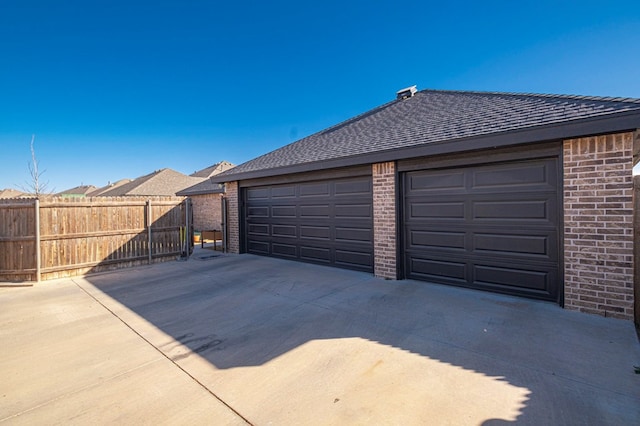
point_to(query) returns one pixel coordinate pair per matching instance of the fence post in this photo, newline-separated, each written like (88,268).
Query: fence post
(37,220)
(149,229)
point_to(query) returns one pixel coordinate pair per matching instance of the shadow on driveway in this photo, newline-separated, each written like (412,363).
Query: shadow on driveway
(292,342)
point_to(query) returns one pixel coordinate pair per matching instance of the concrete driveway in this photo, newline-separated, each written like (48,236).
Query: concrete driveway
(246,339)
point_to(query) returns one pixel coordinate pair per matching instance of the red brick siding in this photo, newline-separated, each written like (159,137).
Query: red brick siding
(384,219)
(206,211)
(233,217)
(598,225)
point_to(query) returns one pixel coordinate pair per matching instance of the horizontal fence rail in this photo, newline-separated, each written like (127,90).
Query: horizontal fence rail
(53,237)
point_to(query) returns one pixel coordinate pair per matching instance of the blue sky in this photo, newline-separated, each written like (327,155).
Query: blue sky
(114,89)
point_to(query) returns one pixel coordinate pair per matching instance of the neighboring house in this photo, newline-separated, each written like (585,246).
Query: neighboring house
(108,187)
(11,193)
(213,170)
(206,198)
(161,182)
(77,192)
(523,194)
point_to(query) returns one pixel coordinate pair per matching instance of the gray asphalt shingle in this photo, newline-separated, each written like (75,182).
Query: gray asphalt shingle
(433,116)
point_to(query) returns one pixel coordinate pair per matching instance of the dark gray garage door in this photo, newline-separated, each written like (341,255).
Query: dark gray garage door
(328,222)
(492,227)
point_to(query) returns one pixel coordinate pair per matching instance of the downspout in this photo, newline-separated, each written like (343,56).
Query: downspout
(223,210)
(149,231)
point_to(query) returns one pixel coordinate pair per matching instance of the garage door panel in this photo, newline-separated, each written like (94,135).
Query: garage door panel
(450,272)
(285,231)
(437,239)
(437,181)
(258,229)
(353,234)
(353,210)
(509,177)
(259,247)
(542,246)
(284,250)
(315,254)
(315,232)
(258,193)
(283,212)
(315,211)
(524,279)
(438,210)
(327,222)
(512,210)
(354,259)
(258,212)
(502,229)
(283,191)
(314,190)
(354,187)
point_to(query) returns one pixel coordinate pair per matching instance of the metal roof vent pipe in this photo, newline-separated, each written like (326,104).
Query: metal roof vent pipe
(406,93)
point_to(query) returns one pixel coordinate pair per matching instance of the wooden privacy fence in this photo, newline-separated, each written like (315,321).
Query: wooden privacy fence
(55,237)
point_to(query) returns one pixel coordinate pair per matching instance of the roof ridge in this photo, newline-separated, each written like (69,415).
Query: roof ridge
(539,95)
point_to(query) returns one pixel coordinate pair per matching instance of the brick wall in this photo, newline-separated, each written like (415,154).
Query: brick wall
(598,224)
(207,214)
(233,217)
(384,219)
(636,238)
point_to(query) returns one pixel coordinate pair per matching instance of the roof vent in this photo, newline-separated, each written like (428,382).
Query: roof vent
(406,93)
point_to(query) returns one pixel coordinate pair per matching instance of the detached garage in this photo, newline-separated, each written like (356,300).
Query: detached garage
(529,195)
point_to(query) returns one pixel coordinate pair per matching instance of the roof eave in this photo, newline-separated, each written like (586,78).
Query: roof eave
(620,122)
(200,192)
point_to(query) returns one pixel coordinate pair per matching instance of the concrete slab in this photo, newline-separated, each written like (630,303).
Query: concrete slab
(289,343)
(64,358)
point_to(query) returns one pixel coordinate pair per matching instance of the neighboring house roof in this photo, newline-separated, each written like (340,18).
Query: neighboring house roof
(78,191)
(206,186)
(202,188)
(213,170)
(435,122)
(160,182)
(108,187)
(11,193)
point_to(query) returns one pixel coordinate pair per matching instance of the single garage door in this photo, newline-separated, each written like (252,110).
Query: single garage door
(328,222)
(492,227)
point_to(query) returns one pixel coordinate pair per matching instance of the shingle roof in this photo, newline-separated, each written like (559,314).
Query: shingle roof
(108,187)
(202,188)
(410,127)
(11,193)
(213,170)
(206,186)
(78,190)
(160,182)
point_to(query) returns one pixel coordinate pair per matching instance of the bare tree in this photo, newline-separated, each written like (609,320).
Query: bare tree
(35,185)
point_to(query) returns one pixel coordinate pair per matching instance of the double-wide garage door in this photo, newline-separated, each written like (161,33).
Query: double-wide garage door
(491,227)
(328,222)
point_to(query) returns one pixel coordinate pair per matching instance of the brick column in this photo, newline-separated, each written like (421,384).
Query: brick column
(598,224)
(233,217)
(384,219)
